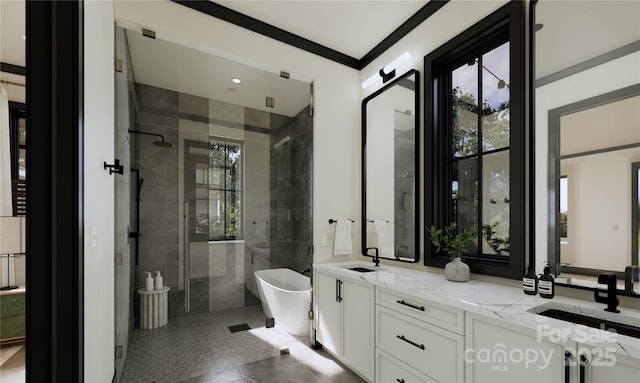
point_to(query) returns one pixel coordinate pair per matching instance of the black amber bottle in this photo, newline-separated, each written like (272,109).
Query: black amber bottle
(546,286)
(530,282)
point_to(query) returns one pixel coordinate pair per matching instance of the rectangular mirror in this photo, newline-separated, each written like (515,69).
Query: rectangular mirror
(390,170)
(587,138)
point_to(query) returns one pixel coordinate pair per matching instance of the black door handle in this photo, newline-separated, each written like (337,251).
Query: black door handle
(568,357)
(402,302)
(401,337)
(583,366)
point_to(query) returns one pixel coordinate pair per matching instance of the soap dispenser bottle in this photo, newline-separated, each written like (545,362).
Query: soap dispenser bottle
(530,282)
(158,281)
(546,284)
(148,283)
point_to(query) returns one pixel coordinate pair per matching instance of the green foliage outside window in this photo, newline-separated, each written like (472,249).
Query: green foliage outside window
(225,190)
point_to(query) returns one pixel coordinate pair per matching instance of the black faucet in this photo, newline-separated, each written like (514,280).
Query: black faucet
(612,295)
(376,258)
(630,276)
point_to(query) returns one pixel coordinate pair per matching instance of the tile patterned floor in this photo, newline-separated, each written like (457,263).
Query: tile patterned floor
(200,348)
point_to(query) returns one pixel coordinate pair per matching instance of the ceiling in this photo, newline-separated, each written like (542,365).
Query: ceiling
(12,28)
(583,131)
(12,45)
(350,27)
(574,32)
(182,69)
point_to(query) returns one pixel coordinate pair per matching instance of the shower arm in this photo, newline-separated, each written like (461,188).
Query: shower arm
(148,134)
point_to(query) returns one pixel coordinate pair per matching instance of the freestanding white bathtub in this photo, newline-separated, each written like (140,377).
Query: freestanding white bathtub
(286,297)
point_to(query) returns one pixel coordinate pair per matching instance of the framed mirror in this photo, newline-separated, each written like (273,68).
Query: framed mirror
(390,152)
(587,138)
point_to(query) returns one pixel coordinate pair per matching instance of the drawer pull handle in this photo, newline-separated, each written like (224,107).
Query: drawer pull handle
(401,337)
(402,302)
(399,380)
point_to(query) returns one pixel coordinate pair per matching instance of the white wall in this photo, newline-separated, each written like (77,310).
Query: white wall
(599,222)
(336,123)
(98,191)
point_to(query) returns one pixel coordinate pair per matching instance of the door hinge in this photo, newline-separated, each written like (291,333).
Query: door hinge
(310,314)
(118,259)
(118,352)
(118,65)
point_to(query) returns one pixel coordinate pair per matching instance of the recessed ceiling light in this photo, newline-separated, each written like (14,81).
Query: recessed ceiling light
(236,81)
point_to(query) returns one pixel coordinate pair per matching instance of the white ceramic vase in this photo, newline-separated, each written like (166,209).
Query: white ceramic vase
(456,271)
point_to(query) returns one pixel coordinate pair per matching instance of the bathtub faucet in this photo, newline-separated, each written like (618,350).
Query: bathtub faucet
(305,271)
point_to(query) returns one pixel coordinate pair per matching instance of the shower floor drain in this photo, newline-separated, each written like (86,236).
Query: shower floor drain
(239,327)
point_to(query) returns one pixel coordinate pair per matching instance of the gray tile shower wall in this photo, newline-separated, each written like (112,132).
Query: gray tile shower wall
(157,114)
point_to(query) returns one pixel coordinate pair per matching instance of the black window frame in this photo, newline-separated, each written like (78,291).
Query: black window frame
(505,24)
(225,190)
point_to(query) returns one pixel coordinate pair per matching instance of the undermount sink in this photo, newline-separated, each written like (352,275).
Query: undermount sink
(360,269)
(618,323)
(598,323)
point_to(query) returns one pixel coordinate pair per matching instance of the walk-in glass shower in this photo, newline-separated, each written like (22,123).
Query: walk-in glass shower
(225,183)
(220,173)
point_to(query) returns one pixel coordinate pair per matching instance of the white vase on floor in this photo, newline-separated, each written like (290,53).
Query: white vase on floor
(456,271)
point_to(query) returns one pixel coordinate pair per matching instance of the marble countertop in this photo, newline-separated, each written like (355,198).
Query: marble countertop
(500,302)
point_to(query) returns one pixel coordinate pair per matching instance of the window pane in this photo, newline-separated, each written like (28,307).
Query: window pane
(216,178)
(233,166)
(464,121)
(201,174)
(217,160)
(22,164)
(233,215)
(216,214)
(495,203)
(495,96)
(465,193)
(564,208)
(22,131)
(202,219)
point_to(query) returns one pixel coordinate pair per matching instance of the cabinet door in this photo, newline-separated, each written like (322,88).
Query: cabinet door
(328,311)
(357,326)
(499,352)
(605,366)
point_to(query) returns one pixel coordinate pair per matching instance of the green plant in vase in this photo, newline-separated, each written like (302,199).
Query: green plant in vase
(452,242)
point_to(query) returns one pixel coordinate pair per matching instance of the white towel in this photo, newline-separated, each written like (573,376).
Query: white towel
(261,232)
(380,226)
(342,240)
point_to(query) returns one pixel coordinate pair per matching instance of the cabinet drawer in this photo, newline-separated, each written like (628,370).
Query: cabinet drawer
(12,327)
(431,350)
(390,370)
(443,316)
(12,305)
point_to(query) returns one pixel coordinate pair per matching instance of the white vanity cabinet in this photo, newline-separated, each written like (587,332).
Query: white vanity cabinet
(344,318)
(496,351)
(500,352)
(424,336)
(602,365)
